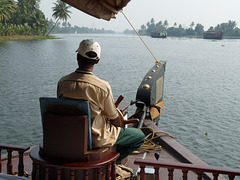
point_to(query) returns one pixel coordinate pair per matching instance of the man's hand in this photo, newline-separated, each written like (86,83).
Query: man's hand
(116,122)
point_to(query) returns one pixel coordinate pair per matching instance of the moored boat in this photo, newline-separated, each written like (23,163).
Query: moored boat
(213,35)
(158,34)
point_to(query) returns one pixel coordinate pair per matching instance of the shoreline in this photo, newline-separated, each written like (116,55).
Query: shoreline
(42,37)
(22,37)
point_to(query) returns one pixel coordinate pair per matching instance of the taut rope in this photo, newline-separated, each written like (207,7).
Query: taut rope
(140,38)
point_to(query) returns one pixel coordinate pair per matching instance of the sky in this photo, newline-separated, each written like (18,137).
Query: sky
(139,12)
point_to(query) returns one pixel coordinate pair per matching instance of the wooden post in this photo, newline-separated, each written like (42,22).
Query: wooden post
(99,173)
(199,175)
(215,175)
(33,170)
(0,160)
(20,164)
(37,175)
(113,171)
(108,171)
(185,172)
(142,173)
(156,173)
(46,173)
(58,174)
(170,173)
(231,177)
(72,174)
(9,163)
(86,174)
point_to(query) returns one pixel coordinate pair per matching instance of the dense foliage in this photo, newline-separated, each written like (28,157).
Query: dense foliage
(22,18)
(66,27)
(229,29)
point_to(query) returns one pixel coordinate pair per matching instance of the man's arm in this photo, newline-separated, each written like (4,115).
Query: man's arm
(116,122)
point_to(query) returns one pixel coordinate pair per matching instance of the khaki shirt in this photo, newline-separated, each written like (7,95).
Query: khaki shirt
(84,85)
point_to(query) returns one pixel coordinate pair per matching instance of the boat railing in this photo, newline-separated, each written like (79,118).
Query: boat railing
(185,167)
(10,149)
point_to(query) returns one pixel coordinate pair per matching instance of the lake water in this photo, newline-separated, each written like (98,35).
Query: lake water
(201,94)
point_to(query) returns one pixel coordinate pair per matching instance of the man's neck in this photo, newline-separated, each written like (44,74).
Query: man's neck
(84,71)
(88,67)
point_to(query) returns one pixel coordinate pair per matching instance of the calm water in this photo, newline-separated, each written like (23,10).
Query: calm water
(201,95)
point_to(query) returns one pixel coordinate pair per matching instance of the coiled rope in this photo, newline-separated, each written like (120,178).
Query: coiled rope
(141,38)
(149,145)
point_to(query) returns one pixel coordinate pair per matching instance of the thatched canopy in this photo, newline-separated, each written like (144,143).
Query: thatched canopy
(102,9)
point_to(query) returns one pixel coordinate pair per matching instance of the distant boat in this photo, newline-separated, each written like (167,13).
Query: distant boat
(159,34)
(213,35)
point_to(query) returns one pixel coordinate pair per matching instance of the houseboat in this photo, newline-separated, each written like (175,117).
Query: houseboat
(158,34)
(213,35)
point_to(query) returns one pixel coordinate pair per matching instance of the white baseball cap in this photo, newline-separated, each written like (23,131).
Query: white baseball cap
(89,49)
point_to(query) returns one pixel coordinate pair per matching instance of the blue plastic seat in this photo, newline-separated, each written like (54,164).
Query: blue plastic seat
(65,106)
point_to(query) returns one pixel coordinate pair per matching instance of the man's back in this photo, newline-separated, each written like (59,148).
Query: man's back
(82,84)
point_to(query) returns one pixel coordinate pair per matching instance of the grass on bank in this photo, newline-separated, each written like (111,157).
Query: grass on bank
(21,37)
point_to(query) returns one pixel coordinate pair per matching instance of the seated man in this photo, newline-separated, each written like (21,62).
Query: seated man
(106,124)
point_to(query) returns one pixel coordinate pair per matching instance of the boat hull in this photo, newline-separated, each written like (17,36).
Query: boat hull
(212,35)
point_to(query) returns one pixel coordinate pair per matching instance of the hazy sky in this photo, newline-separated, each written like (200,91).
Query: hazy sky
(139,12)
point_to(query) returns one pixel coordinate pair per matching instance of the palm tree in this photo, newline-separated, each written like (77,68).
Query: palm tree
(38,22)
(7,8)
(60,12)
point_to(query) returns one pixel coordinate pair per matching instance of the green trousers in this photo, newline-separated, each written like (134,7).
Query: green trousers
(128,141)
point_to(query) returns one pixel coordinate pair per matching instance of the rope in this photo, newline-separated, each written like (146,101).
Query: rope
(148,145)
(141,38)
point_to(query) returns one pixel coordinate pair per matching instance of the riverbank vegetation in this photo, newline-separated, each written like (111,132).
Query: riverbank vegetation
(229,29)
(21,18)
(24,18)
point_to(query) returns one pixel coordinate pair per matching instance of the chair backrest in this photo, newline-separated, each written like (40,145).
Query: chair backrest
(66,128)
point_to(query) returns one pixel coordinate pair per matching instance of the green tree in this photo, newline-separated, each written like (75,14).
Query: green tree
(165,23)
(143,30)
(25,11)
(192,25)
(152,21)
(211,28)
(150,26)
(227,28)
(199,29)
(60,12)
(69,25)
(7,8)
(38,22)
(160,27)
(190,31)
